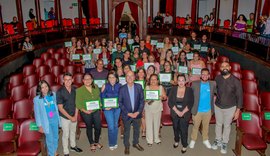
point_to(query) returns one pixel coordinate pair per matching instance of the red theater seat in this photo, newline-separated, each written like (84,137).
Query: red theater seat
(5,108)
(60,79)
(57,56)
(265,100)
(32,92)
(31,80)
(15,80)
(23,110)
(249,133)
(38,62)
(51,51)
(166,119)
(55,87)
(50,78)
(63,62)
(43,70)
(237,74)
(29,70)
(71,69)
(30,141)
(81,124)
(19,93)
(77,79)
(45,56)
(235,66)
(56,70)
(51,62)
(248,75)
(251,103)
(249,87)
(266,125)
(8,130)
(222,59)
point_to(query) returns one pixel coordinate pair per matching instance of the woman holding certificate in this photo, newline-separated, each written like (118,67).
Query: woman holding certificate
(167,77)
(154,94)
(88,102)
(109,97)
(195,67)
(180,100)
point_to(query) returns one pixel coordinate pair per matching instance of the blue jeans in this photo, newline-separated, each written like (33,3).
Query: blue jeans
(112,117)
(52,138)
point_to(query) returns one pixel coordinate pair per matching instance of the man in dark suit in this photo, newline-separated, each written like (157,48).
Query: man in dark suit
(131,102)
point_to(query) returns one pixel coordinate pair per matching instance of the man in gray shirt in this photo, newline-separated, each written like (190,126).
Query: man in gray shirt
(229,101)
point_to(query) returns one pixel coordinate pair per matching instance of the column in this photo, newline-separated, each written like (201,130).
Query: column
(235,11)
(20,16)
(1,21)
(37,6)
(80,12)
(103,11)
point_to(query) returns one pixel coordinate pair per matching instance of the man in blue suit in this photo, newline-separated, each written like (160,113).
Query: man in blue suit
(131,102)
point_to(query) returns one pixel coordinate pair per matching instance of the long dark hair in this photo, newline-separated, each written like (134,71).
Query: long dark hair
(39,93)
(137,77)
(112,72)
(92,84)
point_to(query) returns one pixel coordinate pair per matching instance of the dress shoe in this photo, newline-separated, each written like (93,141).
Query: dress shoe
(138,147)
(183,150)
(127,151)
(175,145)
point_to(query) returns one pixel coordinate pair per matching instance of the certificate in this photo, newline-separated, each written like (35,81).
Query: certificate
(133,67)
(196,71)
(97,51)
(183,69)
(152,95)
(197,46)
(141,82)
(160,45)
(110,103)
(92,105)
(86,57)
(122,80)
(165,77)
(146,65)
(68,44)
(99,83)
(175,50)
(130,41)
(204,49)
(153,42)
(189,56)
(75,56)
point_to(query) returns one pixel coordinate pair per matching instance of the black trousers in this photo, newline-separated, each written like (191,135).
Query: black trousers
(92,121)
(136,131)
(180,129)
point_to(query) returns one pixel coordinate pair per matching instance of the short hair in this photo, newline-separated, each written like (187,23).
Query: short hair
(151,77)
(114,73)
(88,74)
(205,69)
(67,74)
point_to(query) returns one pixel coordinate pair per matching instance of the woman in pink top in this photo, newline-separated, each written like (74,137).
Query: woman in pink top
(193,64)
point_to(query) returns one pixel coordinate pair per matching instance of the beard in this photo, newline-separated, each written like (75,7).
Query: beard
(225,72)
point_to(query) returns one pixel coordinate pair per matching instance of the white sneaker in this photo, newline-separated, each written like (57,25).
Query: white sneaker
(223,149)
(216,144)
(115,146)
(207,144)
(111,148)
(192,144)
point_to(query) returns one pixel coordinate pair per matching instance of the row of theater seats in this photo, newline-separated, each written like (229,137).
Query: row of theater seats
(22,89)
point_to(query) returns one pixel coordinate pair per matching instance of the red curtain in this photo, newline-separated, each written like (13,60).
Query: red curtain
(169,7)
(92,6)
(118,14)
(193,10)
(266,8)
(134,13)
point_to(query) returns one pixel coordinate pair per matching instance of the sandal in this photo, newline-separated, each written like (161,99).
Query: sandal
(93,148)
(143,135)
(99,146)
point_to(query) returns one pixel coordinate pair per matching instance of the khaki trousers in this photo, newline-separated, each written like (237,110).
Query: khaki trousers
(152,126)
(198,119)
(69,133)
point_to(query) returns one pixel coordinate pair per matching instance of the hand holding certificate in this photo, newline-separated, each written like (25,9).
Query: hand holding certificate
(152,95)
(110,103)
(92,105)
(196,71)
(165,77)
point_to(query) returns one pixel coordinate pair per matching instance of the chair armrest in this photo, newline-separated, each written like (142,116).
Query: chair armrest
(238,141)
(265,132)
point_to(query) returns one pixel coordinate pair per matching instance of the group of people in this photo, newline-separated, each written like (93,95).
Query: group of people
(133,90)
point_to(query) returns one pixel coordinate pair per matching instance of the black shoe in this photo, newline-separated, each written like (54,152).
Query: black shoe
(149,145)
(138,147)
(183,150)
(175,145)
(76,149)
(66,154)
(126,150)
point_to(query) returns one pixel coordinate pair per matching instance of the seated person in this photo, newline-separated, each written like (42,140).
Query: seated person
(15,23)
(99,72)
(168,19)
(158,21)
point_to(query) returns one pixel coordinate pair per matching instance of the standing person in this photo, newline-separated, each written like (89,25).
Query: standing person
(228,103)
(110,90)
(153,111)
(47,116)
(32,17)
(204,92)
(87,93)
(68,114)
(99,72)
(180,101)
(51,14)
(133,28)
(131,102)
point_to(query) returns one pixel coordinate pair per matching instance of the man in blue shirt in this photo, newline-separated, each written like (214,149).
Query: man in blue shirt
(203,107)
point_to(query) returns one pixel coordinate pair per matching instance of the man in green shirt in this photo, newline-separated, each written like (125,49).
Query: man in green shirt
(250,22)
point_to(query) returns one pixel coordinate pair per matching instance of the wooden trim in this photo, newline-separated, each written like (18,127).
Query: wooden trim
(80,12)
(1,21)
(103,11)
(234,11)
(37,7)
(110,20)
(60,12)
(151,10)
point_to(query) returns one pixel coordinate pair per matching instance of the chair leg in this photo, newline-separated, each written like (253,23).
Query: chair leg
(238,143)
(261,152)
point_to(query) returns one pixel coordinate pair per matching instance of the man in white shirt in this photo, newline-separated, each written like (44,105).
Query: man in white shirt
(168,20)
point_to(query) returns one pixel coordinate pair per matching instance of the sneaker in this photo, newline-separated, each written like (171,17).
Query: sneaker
(207,144)
(111,148)
(223,149)
(192,144)
(115,146)
(76,149)
(216,144)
